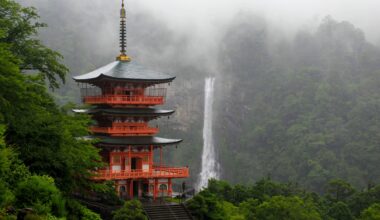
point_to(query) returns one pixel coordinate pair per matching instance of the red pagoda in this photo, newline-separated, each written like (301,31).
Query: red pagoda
(122,96)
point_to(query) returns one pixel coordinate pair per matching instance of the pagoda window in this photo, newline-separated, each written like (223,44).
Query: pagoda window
(163,187)
(136,163)
(122,189)
(145,167)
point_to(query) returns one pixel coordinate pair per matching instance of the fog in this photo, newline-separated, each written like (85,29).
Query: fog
(290,15)
(202,18)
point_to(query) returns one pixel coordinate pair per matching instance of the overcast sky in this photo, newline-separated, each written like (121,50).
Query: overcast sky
(198,15)
(289,14)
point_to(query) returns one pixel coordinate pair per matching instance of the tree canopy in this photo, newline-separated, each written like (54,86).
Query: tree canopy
(42,160)
(267,199)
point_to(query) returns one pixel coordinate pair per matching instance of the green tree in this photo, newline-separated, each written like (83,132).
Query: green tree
(132,210)
(371,213)
(248,208)
(79,211)
(20,26)
(340,211)
(41,194)
(6,197)
(289,208)
(206,205)
(265,188)
(44,136)
(220,188)
(362,200)
(231,212)
(339,190)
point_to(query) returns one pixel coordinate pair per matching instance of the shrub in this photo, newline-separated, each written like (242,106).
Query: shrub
(41,194)
(132,210)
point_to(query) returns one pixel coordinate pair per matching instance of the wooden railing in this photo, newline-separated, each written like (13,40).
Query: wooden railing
(126,124)
(156,172)
(124,100)
(125,131)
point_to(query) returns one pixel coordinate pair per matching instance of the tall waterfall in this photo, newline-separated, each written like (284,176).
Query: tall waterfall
(210,167)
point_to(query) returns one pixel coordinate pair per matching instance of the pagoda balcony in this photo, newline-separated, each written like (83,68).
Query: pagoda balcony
(125,131)
(156,172)
(128,124)
(124,100)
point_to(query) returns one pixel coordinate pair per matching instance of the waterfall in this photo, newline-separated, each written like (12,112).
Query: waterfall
(210,167)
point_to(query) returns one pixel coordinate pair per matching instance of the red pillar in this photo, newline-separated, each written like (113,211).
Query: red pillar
(131,189)
(129,158)
(140,188)
(155,190)
(170,187)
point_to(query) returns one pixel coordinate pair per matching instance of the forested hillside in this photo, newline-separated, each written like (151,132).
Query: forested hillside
(304,111)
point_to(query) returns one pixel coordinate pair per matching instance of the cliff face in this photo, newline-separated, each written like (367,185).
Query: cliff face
(303,109)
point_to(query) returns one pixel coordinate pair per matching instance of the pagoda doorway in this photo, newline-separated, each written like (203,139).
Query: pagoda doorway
(136,163)
(136,186)
(145,189)
(122,192)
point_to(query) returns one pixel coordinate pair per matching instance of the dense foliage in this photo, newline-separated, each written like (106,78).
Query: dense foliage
(268,200)
(308,108)
(42,162)
(132,210)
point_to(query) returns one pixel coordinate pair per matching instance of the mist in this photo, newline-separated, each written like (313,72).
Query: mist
(288,75)
(197,27)
(203,18)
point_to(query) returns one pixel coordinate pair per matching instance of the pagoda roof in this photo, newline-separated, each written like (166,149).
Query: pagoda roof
(125,71)
(142,140)
(126,111)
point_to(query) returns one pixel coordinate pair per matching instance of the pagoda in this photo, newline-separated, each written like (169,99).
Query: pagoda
(122,96)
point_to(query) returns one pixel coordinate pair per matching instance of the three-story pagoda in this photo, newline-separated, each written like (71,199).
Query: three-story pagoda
(122,95)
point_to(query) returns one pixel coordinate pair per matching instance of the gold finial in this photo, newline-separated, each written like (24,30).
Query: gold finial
(122,11)
(123,35)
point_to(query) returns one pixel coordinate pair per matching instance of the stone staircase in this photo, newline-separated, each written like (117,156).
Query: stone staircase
(167,212)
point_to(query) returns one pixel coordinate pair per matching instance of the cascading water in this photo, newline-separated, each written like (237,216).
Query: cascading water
(210,167)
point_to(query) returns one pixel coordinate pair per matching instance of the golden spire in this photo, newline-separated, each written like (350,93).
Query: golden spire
(123,35)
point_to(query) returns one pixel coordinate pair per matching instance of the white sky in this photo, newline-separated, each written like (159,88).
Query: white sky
(290,14)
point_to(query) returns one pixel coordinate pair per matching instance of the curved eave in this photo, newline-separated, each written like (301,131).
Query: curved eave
(126,111)
(135,141)
(124,71)
(109,78)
